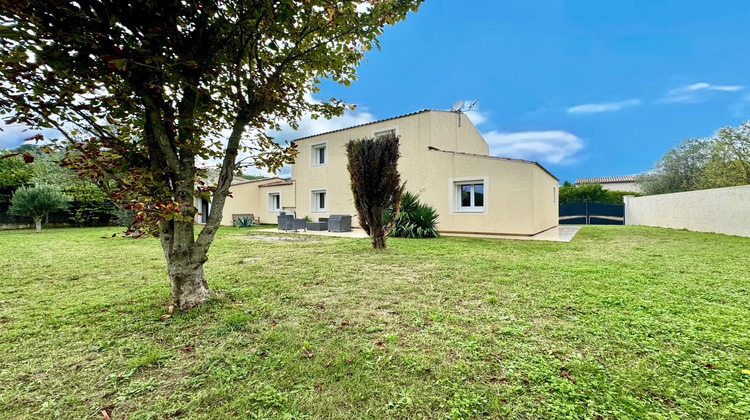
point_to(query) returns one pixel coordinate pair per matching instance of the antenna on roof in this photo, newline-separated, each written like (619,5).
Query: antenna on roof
(460,108)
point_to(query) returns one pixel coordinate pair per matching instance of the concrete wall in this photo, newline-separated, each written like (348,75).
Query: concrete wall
(719,210)
(622,186)
(519,195)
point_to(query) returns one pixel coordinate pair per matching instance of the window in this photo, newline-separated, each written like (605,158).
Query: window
(470,196)
(553,194)
(319,201)
(274,202)
(319,154)
(384,133)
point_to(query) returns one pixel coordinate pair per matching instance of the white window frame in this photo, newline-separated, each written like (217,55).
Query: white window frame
(314,148)
(315,200)
(454,185)
(384,129)
(271,195)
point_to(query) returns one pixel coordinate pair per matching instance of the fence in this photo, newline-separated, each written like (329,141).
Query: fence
(718,210)
(588,213)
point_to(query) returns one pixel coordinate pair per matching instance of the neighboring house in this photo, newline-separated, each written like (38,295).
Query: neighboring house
(450,164)
(614,183)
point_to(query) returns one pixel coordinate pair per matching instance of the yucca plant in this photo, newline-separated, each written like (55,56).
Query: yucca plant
(245,221)
(416,220)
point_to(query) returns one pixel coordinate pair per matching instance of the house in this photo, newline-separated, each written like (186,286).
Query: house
(263,198)
(443,157)
(614,183)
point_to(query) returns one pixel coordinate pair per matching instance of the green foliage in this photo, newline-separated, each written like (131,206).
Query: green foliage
(14,174)
(376,183)
(245,221)
(415,220)
(90,206)
(722,160)
(593,192)
(38,201)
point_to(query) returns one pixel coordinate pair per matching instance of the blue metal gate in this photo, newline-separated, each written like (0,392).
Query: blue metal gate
(588,213)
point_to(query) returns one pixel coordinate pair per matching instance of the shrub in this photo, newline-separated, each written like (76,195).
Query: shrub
(416,220)
(245,221)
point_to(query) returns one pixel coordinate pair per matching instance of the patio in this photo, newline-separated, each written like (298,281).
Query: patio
(555,234)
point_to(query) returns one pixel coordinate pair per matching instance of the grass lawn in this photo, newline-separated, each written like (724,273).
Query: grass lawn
(622,322)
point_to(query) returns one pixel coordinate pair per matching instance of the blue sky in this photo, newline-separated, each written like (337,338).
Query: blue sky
(587,88)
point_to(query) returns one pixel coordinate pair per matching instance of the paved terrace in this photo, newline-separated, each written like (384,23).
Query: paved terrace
(555,234)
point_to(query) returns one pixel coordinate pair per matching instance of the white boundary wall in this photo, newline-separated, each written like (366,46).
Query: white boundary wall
(719,210)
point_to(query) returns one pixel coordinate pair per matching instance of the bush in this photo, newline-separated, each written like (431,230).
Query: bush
(90,206)
(416,220)
(593,192)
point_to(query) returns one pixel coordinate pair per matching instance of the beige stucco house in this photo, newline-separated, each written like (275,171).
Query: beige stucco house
(446,160)
(613,183)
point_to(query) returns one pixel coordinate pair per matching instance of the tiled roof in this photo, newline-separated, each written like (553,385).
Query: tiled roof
(277,183)
(606,179)
(530,162)
(240,181)
(373,122)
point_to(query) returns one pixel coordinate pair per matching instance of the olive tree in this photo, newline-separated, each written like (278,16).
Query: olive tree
(143,91)
(37,202)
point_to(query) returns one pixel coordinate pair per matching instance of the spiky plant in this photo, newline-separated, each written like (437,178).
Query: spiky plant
(416,220)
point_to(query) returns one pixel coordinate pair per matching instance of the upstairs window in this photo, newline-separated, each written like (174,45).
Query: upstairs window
(319,154)
(383,133)
(470,196)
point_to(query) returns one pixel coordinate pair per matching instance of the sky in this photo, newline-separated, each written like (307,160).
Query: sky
(586,88)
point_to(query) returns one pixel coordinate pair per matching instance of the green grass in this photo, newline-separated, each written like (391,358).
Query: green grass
(622,322)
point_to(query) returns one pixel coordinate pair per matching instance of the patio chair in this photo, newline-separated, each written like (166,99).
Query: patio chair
(339,223)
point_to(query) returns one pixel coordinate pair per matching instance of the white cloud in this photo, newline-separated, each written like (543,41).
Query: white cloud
(309,126)
(477,117)
(693,93)
(544,146)
(603,107)
(705,86)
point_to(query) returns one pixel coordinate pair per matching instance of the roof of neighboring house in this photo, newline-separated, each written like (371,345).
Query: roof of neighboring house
(277,183)
(373,122)
(606,179)
(530,162)
(241,181)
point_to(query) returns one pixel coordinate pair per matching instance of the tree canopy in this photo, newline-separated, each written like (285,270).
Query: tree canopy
(144,91)
(722,160)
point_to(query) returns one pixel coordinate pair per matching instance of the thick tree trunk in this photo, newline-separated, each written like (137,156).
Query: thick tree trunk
(38,223)
(189,287)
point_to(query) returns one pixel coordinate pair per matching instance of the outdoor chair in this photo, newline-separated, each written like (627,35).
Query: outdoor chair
(339,223)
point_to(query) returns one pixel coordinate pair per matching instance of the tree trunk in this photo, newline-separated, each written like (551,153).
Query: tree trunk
(185,264)
(38,223)
(189,287)
(377,237)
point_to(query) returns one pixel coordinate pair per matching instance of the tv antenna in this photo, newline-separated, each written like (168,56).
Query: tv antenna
(460,108)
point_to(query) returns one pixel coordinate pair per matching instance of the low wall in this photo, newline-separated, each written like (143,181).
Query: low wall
(718,210)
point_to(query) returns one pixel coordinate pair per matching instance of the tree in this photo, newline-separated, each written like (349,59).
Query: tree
(680,169)
(376,184)
(14,174)
(143,89)
(729,162)
(36,202)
